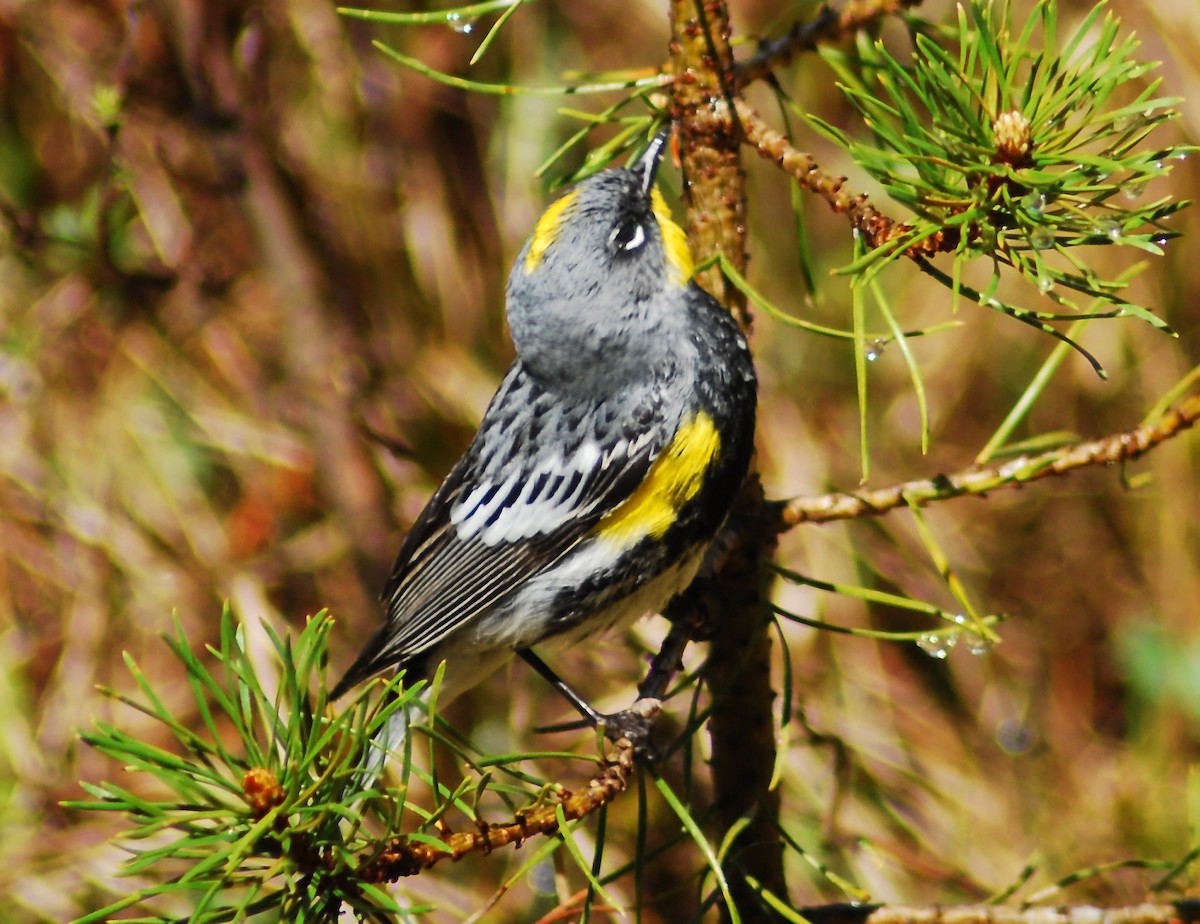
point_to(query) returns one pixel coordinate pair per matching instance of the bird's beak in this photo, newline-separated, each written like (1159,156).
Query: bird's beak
(647,164)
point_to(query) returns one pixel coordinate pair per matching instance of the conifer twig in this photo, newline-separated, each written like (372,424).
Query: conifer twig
(404,857)
(876,228)
(738,671)
(1181,912)
(828,25)
(1108,450)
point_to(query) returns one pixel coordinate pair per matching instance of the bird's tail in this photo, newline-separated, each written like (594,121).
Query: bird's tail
(389,737)
(389,742)
(388,731)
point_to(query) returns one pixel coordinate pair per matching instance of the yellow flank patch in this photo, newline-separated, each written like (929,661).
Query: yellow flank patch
(673,480)
(547,230)
(675,245)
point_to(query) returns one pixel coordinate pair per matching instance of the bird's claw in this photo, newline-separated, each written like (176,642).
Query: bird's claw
(634,725)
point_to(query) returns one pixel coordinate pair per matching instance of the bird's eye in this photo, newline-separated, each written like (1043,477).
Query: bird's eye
(628,236)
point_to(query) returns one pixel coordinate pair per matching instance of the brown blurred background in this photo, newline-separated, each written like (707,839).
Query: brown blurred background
(251,308)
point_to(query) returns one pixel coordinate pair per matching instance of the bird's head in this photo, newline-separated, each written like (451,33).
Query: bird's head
(600,260)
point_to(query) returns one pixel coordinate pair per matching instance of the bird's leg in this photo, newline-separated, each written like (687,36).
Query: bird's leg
(633,723)
(529,656)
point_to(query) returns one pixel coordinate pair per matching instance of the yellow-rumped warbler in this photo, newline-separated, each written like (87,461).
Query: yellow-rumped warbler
(605,463)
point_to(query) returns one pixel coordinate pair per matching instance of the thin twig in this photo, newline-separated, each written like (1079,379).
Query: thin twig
(829,25)
(666,662)
(1108,450)
(404,857)
(1182,912)
(874,226)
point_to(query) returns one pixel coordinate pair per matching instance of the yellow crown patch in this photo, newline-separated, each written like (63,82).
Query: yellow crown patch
(674,238)
(547,230)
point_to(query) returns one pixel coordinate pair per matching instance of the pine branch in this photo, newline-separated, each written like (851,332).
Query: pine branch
(405,857)
(873,225)
(1181,912)
(738,671)
(710,144)
(1108,450)
(829,25)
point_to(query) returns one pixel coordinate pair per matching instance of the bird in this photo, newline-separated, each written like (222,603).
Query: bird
(604,465)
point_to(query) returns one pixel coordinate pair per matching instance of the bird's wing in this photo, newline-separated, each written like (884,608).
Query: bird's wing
(482,535)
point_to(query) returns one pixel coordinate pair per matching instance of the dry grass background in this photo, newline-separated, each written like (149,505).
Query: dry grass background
(246,329)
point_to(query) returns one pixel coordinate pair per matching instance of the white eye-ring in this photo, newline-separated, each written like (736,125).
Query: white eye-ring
(628,237)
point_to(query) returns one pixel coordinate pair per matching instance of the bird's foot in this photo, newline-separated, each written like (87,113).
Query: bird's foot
(634,725)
